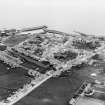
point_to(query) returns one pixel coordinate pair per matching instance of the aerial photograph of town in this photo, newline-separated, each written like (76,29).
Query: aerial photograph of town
(52,52)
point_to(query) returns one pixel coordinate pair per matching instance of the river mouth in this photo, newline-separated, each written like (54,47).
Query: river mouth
(11,79)
(58,89)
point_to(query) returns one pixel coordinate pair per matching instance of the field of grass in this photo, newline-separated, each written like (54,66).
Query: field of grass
(14,40)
